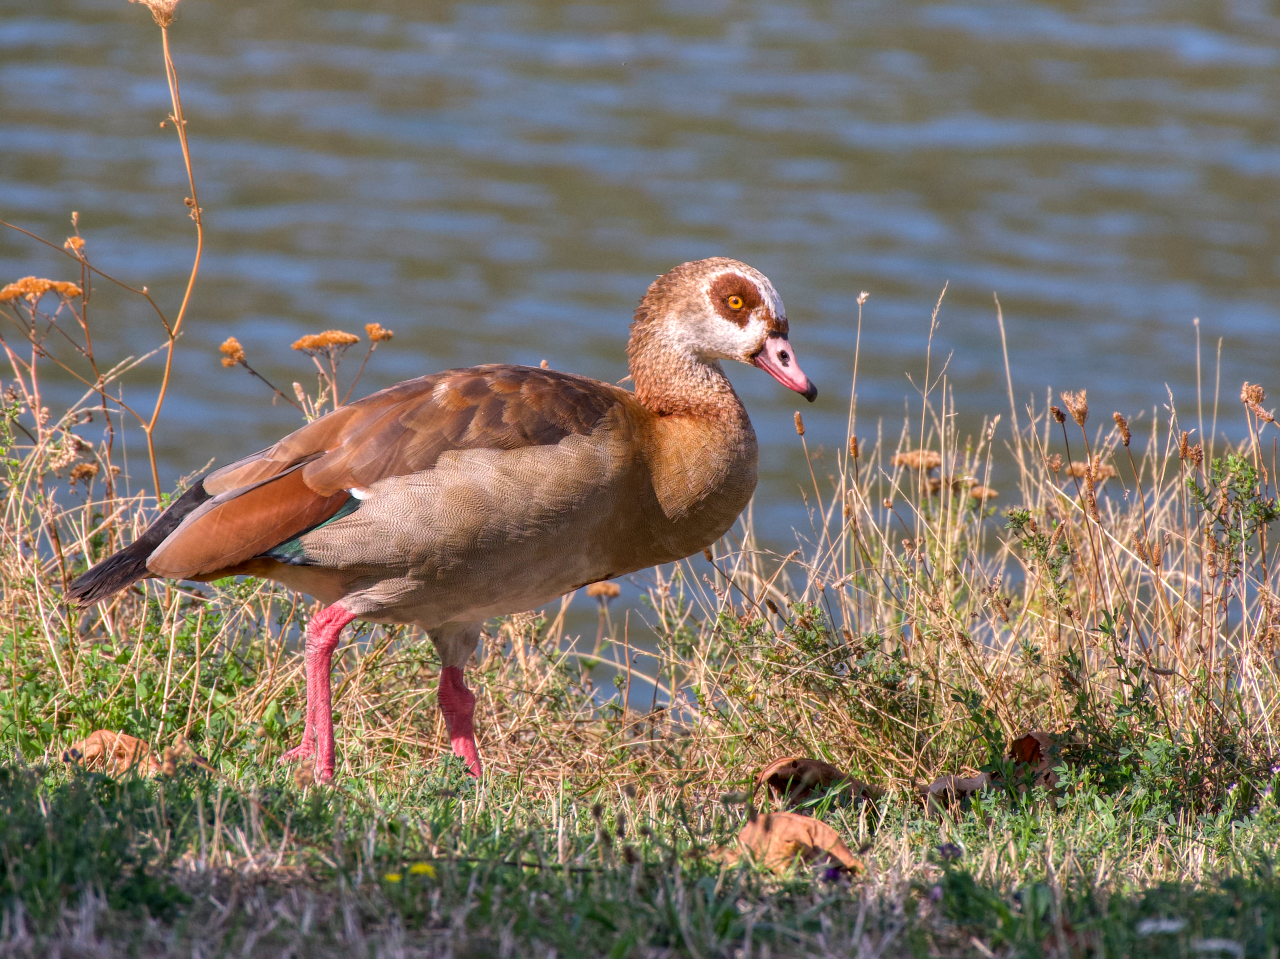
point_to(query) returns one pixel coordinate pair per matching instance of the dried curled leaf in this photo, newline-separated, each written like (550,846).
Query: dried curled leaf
(777,840)
(112,752)
(1037,748)
(116,753)
(946,790)
(794,779)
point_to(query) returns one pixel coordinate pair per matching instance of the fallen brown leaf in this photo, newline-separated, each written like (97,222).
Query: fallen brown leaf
(776,840)
(793,779)
(1037,749)
(115,753)
(112,752)
(946,790)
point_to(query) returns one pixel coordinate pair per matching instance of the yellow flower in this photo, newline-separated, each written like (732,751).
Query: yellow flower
(325,340)
(234,352)
(393,877)
(423,869)
(33,288)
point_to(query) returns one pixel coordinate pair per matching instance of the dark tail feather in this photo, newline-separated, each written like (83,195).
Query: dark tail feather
(130,564)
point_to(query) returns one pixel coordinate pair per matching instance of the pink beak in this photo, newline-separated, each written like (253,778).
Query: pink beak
(778,361)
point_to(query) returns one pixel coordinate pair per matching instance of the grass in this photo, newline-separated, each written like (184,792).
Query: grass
(1122,597)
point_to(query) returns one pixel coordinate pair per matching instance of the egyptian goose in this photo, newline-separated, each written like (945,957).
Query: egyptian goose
(446,500)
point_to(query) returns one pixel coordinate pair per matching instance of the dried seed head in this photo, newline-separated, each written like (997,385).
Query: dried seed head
(771,606)
(620,830)
(233,352)
(1251,393)
(603,590)
(1123,425)
(983,493)
(1197,454)
(74,245)
(1096,472)
(991,428)
(83,472)
(1077,404)
(630,856)
(597,811)
(924,460)
(304,775)
(1054,463)
(1058,416)
(300,393)
(862,297)
(1140,548)
(888,503)
(853,447)
(1184,446)
(33,288)
(377,333)
(314,342)
(162,11)
(799,424)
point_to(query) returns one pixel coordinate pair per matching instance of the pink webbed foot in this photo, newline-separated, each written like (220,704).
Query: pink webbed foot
(304,750)
(459,705)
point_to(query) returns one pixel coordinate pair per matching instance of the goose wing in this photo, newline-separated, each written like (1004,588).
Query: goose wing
(309,477)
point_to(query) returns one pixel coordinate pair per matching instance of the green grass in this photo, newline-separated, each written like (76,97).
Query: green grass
(1125,602)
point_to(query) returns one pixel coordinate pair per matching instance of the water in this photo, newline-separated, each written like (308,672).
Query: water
(499,182)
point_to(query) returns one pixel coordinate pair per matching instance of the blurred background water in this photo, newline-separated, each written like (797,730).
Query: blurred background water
(500,182)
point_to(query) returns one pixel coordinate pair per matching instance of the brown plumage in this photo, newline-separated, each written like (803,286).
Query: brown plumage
(455,497)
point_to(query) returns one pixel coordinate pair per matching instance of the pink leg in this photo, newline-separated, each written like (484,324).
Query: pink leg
(459,705)
(317,734)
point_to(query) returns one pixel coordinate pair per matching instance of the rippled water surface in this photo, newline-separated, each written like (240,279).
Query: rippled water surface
(499,182)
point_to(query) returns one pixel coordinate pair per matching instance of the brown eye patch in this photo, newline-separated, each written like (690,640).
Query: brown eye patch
(734,297)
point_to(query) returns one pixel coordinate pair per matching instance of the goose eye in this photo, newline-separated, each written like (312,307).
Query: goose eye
(735,302)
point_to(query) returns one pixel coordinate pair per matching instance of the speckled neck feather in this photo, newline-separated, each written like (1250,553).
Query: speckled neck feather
(670,379)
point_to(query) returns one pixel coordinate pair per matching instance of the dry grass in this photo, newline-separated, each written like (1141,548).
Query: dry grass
(1123,596)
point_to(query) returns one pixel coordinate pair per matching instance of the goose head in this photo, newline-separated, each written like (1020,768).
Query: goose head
(720,309)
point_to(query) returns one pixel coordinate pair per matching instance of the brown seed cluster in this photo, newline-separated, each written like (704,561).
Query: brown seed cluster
(923,460)
(162,11)
(74,244)
(1188,452)
(376,332)
(1252,396)
(314,342)
(83,473)
(233,352)
(604,589)
(33,288)
(962,485)
(1077,404)
(1123,425)
(1097,471)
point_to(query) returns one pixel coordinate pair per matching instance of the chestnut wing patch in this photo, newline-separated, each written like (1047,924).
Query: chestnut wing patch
(267,500)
